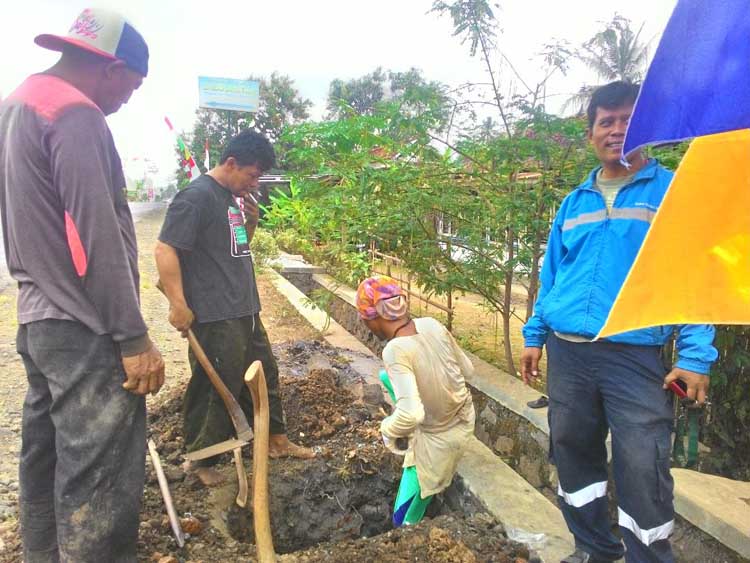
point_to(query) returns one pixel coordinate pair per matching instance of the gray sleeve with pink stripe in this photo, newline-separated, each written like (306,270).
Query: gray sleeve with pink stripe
(87,175)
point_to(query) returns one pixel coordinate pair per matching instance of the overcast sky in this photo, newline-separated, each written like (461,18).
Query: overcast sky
(311,41)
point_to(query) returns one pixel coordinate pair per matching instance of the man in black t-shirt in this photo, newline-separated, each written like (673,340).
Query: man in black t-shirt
(204,262)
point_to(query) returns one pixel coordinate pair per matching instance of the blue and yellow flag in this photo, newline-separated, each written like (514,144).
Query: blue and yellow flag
(694,265)
(699,81)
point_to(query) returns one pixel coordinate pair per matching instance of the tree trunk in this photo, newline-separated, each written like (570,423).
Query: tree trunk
(507,305)
(536,254)
(533,289)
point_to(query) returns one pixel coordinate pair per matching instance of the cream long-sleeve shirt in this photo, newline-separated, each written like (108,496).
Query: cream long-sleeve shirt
(433,405)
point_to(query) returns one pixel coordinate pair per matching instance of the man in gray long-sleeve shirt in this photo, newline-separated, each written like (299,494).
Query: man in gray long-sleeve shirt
(70,244)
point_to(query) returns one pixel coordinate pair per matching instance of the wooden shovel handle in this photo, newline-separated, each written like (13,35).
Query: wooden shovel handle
(255,379)
(221,388)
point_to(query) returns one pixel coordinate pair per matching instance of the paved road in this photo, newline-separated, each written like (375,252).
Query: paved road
(138,210)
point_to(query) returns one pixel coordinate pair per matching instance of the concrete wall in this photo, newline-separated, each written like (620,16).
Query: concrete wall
(346,315)
(519,443)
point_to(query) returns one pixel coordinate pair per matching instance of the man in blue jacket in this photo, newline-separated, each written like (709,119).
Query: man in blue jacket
(618,384)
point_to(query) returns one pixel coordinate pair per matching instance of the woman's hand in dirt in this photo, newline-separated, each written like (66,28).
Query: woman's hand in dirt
(530,364)
(144,372)
(181,317)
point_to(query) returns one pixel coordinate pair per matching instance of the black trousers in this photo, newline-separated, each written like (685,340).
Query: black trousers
(595,387)
(83,447)
(231,346)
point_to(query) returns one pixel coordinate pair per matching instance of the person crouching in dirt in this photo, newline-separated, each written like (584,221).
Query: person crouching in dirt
(433,417)
(205,266)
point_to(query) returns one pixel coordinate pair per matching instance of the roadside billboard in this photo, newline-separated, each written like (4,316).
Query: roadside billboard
(228,93)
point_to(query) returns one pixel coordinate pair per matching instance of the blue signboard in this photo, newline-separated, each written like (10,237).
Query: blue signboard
(228,93)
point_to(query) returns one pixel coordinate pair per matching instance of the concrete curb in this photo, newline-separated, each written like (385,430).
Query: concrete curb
(723,514)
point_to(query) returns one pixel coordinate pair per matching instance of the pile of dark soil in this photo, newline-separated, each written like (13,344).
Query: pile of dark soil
(335,508)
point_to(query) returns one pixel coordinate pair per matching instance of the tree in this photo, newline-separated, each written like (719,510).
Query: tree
(614,53)
(409,89)
(521,209)
(168,192)
(280,105)
(368,178)
(393,170)
(486,131)
(358,95)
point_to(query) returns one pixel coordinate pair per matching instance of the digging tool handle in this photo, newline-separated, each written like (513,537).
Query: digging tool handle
(166,495)
(241,478)
(235,412)
(255,379)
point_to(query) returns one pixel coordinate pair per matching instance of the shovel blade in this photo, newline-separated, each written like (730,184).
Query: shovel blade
(216,449)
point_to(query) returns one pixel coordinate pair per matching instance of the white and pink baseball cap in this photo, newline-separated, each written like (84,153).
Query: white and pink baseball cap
(105,33)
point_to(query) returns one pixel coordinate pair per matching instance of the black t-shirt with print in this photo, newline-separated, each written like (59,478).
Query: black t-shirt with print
(204,223)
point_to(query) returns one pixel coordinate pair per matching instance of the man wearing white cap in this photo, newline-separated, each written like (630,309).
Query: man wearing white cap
(70,244)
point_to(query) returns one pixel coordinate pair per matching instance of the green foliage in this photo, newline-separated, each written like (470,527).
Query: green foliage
(670,155)
(616,52)
(290,241)
(323,299)
(613,53)
(727,430)
(359,95)
(264,248)
(377,178)
(408,90)
(289,210)
(347,264)
(473,21)
(465,207)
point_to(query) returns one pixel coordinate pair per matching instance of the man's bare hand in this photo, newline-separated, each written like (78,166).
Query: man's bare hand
(144,372)
(181,317)
(530,364)
(697,384)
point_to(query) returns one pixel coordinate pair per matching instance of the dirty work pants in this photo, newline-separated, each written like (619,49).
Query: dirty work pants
(600,386)
(83,448)
(231,346)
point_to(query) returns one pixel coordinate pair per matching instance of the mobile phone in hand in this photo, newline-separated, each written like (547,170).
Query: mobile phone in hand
(679,388)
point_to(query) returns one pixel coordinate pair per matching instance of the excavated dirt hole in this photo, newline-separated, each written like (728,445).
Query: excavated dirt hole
(335,508)
(347,491)
(317,502)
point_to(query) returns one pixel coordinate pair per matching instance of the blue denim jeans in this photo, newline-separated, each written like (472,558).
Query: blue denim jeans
(599,387)
(83,448)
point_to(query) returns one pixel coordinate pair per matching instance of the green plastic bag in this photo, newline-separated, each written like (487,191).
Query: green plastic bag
(409,507)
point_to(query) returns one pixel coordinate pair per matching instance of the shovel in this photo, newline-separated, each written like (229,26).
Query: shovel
(241,427)
(255,380)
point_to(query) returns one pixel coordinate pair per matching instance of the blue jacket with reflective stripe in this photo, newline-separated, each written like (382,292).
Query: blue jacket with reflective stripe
(589,254)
